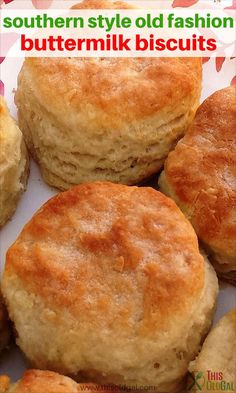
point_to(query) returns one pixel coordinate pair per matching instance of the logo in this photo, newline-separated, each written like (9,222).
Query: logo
(197,381)
(209,381)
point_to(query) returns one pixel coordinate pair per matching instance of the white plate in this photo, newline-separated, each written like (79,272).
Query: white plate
(12,361)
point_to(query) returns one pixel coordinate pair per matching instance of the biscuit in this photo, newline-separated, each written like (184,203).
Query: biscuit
(217,359)
(13,164)
(4,326)
(114,119)
(38,381)
(106,282)
(200,175)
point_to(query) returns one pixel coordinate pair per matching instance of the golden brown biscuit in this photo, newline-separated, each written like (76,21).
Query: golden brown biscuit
(217,359)
(200,175)
(14,166)
(4,326)
(115,119)
(37,381)
(106,282)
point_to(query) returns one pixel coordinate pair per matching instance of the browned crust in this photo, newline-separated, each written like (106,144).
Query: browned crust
(201,172)
(115,90)
(105,241)
(106,86)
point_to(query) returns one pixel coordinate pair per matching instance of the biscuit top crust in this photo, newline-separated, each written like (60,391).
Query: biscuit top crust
(109,92)
(201,172)
(37,381)
(114,91)
(102,250)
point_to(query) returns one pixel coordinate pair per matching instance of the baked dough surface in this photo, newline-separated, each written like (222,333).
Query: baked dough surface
(106,282)
(200,175)
(115,119)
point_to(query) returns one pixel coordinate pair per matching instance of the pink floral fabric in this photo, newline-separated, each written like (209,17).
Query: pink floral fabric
(219,61)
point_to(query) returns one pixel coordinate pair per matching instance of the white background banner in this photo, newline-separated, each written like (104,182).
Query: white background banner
(119,33)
